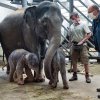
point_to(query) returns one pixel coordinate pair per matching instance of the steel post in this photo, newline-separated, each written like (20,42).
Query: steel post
(24,3)
(71,7)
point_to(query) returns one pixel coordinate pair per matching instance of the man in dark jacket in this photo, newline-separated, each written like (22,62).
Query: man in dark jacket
(94,13)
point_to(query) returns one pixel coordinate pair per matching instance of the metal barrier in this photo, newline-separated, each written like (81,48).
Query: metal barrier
(95,3)
(83,3)
(68,10)
(8,6)
(83,15)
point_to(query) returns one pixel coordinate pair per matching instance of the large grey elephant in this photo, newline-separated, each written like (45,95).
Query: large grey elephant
(29,30)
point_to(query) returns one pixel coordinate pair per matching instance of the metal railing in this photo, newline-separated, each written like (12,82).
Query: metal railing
(68,11)
(85,17)
(95,3)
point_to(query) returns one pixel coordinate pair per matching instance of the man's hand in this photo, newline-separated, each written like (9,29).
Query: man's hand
(80,43)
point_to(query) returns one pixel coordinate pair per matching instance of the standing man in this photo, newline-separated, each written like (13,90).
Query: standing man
(94,13)
(79,33)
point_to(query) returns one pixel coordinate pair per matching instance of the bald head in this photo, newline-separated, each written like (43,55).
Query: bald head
(93,11)
(93,8)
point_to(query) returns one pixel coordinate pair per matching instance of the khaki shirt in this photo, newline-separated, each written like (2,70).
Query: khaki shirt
(78,32)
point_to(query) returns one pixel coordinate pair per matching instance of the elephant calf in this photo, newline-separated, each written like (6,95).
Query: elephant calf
(19,60)
(58,64)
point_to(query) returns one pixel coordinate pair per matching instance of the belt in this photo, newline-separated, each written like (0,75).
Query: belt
(74,42)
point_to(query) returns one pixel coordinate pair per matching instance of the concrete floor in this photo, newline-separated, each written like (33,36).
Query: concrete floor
(79,90)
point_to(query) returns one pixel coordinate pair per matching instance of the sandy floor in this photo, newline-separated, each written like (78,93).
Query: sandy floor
(79,90)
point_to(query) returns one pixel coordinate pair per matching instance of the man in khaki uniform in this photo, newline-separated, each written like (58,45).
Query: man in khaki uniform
(79,33)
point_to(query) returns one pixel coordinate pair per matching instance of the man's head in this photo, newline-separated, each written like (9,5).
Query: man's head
(93,11)
(74,17)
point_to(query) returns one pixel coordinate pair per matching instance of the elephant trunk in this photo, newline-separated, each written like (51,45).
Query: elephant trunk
(53,20)
(52,48)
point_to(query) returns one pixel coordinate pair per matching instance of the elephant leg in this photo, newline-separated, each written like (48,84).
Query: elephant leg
(19,72)
(7,56)
(12,70)
(36,78)
(20,79)
(41,77)
(15,77)
(54,73)
(55,78)
(36,75)
(64,78)
(8,69)
(51,81)
(29,75)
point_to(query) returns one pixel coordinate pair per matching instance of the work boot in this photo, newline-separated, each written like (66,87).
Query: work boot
(98,89)
(98,60)
(74,77)
(98,96)
(88,80)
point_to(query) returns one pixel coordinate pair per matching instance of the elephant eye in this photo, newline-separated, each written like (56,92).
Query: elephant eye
(44,21)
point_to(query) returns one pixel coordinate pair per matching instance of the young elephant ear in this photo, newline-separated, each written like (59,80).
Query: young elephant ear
(30,15)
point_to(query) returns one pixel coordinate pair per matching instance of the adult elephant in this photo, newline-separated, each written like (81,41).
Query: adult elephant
(30,29)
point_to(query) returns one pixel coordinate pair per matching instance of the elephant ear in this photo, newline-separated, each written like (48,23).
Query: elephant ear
(30,15)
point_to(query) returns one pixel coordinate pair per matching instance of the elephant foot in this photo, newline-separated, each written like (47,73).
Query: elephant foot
(53,85)
(28,80)
(11,80)
(39,80)
(50,82)
(20,82)
(35,80)
(65,87)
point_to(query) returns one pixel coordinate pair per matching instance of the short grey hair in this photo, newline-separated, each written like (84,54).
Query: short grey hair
(73,14)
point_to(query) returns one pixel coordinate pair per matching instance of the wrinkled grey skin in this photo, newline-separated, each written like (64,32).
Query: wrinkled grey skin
(26,30)
(52,25)
(19,60)
(58,64)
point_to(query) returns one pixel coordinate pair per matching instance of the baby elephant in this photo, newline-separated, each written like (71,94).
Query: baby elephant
(58,64)
(19,61)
